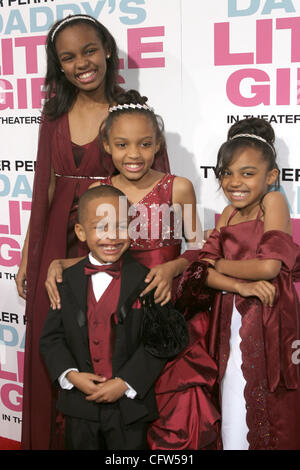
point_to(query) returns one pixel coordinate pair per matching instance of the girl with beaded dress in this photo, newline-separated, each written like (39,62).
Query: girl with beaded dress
(81,82)
(132,135)
(255,316)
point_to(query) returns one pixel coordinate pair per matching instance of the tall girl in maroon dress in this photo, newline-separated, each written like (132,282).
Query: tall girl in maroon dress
(81,81)
(131,134)
(255,317)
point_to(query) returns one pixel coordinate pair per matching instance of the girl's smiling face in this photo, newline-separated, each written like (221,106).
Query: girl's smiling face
(82,56)
(132,142)
(247,178)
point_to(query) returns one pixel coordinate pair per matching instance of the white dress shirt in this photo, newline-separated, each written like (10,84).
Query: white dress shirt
(100,282)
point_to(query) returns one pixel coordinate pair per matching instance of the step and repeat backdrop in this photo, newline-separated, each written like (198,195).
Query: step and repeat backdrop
(203,65)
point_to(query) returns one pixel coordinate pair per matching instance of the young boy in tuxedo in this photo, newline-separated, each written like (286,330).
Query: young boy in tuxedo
(92,346)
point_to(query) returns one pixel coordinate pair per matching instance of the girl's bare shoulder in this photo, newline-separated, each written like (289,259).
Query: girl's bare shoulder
(274,199)
(276,212)
(183,190)
(223,219)
(183,185)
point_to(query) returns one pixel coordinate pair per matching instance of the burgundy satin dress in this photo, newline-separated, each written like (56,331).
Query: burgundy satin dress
(272,390)
(188,418)
(51,237)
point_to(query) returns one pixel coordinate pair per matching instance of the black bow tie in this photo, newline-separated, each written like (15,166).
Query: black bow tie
(111,269)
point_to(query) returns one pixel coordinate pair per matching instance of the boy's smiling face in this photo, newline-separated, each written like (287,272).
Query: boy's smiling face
(104,226)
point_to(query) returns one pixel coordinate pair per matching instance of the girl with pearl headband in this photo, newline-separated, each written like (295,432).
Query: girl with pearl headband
(255,315)
(132,134)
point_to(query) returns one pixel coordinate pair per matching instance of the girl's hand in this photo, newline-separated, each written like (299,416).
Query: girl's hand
(21,279)
(54,275)
(264,290)
(160,278)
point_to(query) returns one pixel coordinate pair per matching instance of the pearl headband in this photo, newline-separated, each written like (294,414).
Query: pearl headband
(254,136)
(69,19)
(122,107)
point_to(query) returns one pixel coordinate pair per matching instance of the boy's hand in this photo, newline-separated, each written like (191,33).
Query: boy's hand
(108,392)
(85,381)
(264,290)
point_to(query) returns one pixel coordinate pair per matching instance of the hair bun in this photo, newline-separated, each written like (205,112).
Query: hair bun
(256,126)
(130,96)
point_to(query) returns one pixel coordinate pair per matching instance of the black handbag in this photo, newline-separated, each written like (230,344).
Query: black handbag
(164,330)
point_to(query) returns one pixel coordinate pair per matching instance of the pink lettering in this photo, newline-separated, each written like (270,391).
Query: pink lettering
(7,375)
(294,25)
(20,360)
(31,43)
(11,396)
(37,93)
(261,92)
(14,227)
(223,56)
(14,217)
(136,48)
(4,229)
(6,99)
(7,57)
(264,36)
(13,255)
(283,91)
(26,205)
(22,93)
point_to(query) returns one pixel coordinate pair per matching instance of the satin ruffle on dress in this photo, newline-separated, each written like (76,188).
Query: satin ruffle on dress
(268,334)
(188,418)
(51,237)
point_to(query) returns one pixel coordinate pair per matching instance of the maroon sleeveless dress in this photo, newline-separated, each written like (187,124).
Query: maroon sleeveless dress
(162,246)
(268,334)
(188,418)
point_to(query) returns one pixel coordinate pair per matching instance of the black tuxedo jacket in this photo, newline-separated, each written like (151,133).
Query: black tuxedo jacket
(64,344)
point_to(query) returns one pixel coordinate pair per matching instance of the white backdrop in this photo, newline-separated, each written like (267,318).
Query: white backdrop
(202,65)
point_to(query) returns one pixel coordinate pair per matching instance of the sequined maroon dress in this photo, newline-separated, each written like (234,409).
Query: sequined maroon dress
(188,417)
(270,363)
